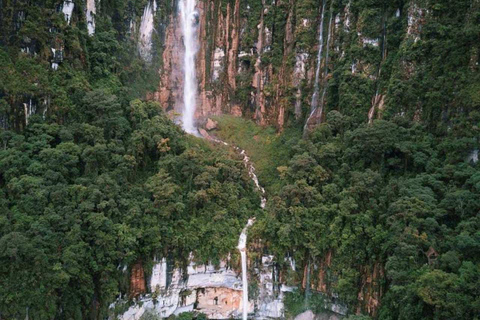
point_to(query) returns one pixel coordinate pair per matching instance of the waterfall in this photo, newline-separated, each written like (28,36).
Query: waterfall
(91,10)
(146,30)
(28,109)
(242,243)
(67,9)
(316,89)
(189,20)
(316,103)
(378,98)
(325,86)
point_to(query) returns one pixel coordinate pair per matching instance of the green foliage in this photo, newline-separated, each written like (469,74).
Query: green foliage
(267,149)
(389,192)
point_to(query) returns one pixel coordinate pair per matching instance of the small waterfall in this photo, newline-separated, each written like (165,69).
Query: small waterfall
(377,100)
(146,30)
(316,102)
(91,10)
(316,88)
(189,20)
(29,109)
(67,9)
(242,241)
(325,86)
(242,244)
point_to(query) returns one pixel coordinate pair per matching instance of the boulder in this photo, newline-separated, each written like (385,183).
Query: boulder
(204,133)
(211,124)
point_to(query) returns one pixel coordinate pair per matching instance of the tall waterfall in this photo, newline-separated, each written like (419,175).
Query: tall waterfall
(146,31)
(325,86)
(316,102)
(189,20)
(316,89)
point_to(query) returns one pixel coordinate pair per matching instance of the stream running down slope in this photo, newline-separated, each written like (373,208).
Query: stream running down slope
(217,292)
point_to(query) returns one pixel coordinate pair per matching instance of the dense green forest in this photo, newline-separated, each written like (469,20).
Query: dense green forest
(95,176)
(100,179)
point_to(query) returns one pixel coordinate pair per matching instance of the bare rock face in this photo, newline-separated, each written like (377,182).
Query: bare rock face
(211,124)
(236,111)
(137,280)
(307,315)
(216,292)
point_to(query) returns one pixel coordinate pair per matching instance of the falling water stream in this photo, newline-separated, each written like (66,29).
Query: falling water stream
(189,21)
(90,15)
(146,31)
(242,241)
(316,88)
(316,102)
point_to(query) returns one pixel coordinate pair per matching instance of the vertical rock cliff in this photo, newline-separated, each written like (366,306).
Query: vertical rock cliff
(258,59)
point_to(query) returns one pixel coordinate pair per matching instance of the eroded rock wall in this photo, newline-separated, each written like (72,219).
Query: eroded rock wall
(213,291)
(257,59)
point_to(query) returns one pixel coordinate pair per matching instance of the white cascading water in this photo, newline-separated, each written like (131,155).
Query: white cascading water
(146,31)
(189,20)
(242,247)
(242,241)
(326,58)
(91,11)
(316,89)
(67,9)
(318,103)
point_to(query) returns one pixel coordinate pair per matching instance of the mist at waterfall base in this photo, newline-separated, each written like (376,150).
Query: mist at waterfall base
(189,23)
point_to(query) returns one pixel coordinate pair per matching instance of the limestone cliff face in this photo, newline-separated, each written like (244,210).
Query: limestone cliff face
(213,291)
(258,58)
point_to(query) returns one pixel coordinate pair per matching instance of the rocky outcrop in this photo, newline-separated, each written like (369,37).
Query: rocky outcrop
(137,280)
(246,66)
(213,291)
(211,124)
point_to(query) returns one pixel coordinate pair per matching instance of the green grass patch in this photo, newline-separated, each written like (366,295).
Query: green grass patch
(267,149)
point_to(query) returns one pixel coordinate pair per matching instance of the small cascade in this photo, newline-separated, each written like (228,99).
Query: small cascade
(189,22)
(242,243)
(316,88)
(90,15)
(378,99)
(473,157)
(317,104)
(29,109)
(67,9)
(146,31)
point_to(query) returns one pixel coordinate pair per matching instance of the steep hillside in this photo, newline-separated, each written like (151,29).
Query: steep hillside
(361,119)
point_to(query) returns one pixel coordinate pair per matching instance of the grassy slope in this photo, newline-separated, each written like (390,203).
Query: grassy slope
(267,149)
